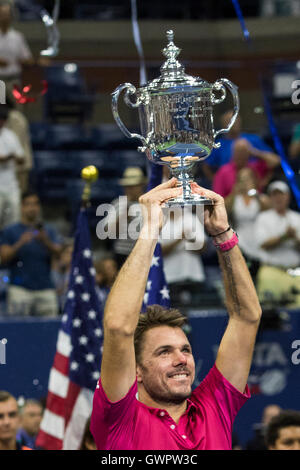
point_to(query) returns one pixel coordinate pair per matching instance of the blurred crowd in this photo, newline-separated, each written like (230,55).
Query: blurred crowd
(244,170)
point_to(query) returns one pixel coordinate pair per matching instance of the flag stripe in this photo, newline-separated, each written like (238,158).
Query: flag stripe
(61,363)
(64,346)
(81,412)
(55,424)
(58,383)
(44,440)
(72,396)
(56,404)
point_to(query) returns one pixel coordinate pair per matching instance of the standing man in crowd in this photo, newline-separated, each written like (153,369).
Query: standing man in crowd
(14,50)
(27,248)
(144,399)
(11,155)
(9,423)
(31,416)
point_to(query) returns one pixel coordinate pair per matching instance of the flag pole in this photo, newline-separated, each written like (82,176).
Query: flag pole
(89,174)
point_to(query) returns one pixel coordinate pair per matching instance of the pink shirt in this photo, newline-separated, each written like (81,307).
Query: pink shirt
(225,178)
(206,425)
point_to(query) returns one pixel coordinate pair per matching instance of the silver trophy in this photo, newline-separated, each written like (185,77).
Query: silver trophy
(176,119)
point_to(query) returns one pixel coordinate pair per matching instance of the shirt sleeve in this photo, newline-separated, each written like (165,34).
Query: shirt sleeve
(220,397)
(111,418)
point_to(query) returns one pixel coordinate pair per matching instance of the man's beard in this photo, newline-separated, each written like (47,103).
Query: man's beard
(165,396)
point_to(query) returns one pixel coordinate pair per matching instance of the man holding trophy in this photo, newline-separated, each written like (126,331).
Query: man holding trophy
(144,399)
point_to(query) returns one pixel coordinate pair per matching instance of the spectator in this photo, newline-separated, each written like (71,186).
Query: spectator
(277,231)
(243,205)
(225,178)
(9,423)
(261,153)
(18,123)
(26,248)
(106,273)
(258,442)
(11,152)
(14,50)
(87,442)
(283,431)
(31,417)
(124,211)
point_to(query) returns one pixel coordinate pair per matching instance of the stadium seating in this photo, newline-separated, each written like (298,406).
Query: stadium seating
(67,94)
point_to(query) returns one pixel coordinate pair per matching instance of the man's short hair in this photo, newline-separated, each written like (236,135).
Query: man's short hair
(5,396)
(155,316)
(284,419)
(31,401)
(29,193)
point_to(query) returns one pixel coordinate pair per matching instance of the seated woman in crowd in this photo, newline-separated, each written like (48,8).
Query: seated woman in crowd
(243,204)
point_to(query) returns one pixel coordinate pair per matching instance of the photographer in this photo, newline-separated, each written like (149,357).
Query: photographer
(27,248)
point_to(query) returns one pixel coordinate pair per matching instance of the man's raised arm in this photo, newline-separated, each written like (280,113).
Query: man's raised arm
(236,348)
(123,306)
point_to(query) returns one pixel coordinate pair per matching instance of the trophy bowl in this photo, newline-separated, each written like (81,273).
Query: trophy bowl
(176,119)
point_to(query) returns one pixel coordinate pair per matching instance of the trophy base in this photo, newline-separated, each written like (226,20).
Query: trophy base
(193,200)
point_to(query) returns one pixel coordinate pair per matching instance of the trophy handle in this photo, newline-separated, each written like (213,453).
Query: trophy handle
(219,86)
(115,97)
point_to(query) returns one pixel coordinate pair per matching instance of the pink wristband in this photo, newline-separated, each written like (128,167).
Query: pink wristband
(225,246)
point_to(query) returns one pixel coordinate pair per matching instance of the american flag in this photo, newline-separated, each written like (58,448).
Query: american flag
(157,291)
(76,365)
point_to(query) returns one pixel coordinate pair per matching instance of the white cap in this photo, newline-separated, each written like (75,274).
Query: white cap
(279,186)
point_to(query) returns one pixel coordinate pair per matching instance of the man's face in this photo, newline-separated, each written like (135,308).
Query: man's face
(288,439)
(167,368)
(5,14)
(31,418)
(280,201)
(9,420)
(31,208)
